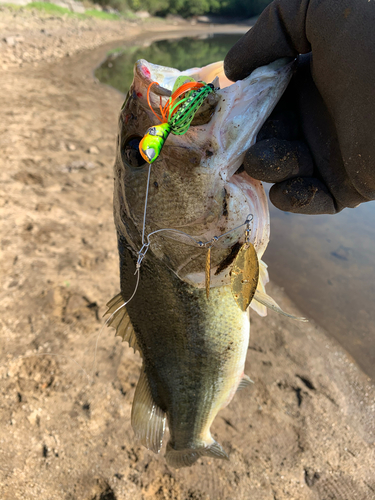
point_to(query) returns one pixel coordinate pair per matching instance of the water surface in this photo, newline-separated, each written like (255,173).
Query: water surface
(183,53)
(324,263)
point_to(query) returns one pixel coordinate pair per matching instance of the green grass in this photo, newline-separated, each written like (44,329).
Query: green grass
(56,10)
(48,8)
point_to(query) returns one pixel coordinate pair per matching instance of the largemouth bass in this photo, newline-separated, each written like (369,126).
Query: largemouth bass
(193,346)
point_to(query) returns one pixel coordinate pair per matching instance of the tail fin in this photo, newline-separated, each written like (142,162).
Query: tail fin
(187,457)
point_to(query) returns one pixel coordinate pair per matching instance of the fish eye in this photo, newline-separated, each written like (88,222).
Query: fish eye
(130,152)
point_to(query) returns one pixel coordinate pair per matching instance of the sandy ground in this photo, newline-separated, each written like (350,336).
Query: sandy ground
(305,431)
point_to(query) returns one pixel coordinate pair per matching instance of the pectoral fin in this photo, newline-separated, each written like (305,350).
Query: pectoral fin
(268,301)
(263,280)
(148,420)
(244,382)
(120,320)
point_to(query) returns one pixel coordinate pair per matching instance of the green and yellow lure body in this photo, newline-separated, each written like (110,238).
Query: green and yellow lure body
(177,115)
(153,141)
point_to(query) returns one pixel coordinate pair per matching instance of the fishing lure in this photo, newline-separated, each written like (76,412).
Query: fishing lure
(177,115)
(245,272)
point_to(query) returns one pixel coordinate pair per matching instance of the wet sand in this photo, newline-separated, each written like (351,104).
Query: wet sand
(304,431)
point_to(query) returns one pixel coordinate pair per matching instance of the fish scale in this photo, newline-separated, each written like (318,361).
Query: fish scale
(192,335)
(188,345)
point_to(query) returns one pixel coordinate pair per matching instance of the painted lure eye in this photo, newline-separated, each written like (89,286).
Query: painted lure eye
(130,152)
(150,153)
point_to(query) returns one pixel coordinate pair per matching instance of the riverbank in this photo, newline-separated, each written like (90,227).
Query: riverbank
(305,431)
(30,37)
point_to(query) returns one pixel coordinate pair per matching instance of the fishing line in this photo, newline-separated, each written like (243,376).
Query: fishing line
(146,245)
(141,254)
(201,244)
(90,378)
(109,319)
(70,358)
(57,355)
(140,258)
(146,200)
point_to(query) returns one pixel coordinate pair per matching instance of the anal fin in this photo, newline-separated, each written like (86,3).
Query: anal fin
(120,320)
(148,420)
(244,382)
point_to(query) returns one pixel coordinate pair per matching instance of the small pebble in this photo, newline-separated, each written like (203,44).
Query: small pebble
(93,150)
(10,41)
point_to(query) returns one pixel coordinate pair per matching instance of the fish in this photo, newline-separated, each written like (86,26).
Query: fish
(195,198)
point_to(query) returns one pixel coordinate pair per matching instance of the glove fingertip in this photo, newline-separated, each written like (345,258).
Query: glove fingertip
(275,160)
(260,163)
(303,195)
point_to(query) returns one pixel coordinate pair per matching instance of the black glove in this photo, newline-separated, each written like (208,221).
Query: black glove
(318,146)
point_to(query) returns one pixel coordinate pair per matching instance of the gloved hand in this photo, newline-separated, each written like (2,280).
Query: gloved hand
(318,146)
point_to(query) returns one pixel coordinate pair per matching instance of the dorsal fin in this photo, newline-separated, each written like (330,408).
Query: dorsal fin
(120,320)
(148,420)
(244,382)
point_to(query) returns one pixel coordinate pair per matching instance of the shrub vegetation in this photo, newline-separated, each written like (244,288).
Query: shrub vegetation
(187,8)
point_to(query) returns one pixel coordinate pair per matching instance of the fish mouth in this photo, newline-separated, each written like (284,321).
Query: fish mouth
(147,73)
(233,115)
(225,126)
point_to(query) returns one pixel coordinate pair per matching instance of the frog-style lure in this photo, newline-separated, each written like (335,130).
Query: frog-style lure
(177,115)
